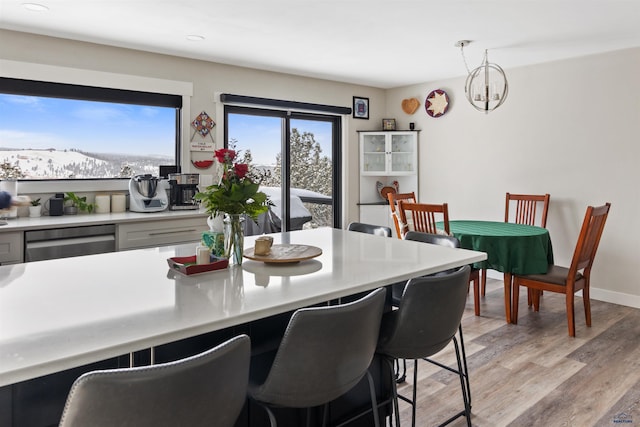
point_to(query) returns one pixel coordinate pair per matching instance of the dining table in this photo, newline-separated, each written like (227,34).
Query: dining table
(511,249)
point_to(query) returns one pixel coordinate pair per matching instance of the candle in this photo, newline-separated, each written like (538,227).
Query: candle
(203,255)
(103,203)
(118,202)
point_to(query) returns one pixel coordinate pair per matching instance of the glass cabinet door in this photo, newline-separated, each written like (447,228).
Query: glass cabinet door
(403,153)
(373,153)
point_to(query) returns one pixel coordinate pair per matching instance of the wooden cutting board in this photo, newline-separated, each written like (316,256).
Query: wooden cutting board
(285,253)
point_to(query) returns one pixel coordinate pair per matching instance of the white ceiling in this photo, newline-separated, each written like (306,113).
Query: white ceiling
(380,43)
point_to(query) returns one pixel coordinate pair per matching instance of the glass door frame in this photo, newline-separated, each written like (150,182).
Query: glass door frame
(336,154)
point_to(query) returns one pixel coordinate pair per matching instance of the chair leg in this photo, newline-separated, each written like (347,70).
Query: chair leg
(415,389)
(465,391)
(374,401)
(463,373)
(466,368)
(394,391)
(483,275)
(535,296)
(476,296)
(516,299)
(586,299)
(400,378)
(272,417)
(571,315)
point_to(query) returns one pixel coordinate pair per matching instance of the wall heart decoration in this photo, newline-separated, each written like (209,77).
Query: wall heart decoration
(410,106)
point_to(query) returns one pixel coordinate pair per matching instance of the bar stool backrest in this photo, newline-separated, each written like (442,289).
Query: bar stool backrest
(324,353)
(208,389)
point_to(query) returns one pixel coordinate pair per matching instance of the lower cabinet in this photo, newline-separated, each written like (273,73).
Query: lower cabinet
(158,233)
(11,244)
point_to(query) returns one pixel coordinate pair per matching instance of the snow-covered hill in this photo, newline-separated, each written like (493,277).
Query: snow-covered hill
(56,164)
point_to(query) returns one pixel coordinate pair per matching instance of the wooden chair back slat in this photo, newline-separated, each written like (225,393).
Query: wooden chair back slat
(526,208)
(424,216)
(589,238)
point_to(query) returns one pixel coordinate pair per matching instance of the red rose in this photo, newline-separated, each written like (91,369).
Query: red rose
(224,155)
(241,169)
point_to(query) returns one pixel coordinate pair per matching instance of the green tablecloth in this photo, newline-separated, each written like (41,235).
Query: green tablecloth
(511,248)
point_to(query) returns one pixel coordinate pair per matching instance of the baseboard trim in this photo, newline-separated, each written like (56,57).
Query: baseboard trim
(615,297)
(597,294)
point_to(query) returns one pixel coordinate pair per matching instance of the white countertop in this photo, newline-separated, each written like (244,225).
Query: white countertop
(44,222)
(63,313)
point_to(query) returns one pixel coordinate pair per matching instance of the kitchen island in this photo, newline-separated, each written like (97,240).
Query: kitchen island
(63,314)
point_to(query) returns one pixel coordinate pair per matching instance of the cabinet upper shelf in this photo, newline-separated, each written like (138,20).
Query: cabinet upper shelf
(388,153)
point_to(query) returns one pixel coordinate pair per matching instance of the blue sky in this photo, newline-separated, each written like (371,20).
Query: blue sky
(263,135)
(39,122)
(42,123)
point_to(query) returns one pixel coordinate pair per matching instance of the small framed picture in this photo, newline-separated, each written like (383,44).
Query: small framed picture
(360,108)
(388,124)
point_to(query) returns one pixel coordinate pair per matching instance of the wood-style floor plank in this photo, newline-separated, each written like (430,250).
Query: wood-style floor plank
(533,373)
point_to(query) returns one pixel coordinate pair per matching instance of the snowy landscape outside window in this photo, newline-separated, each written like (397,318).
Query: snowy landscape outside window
(50,138)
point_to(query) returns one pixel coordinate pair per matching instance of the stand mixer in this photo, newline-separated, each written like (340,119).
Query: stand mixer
(145,196)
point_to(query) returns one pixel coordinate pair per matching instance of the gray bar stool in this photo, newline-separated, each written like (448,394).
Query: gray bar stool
(208,389)
(426,321)
(378,230)
(324,353)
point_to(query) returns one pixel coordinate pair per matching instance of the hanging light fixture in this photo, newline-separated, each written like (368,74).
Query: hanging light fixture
(486,87)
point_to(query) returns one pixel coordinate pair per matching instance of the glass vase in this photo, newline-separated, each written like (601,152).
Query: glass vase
(234,237)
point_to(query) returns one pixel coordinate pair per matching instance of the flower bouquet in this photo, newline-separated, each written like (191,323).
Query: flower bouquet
(234,196)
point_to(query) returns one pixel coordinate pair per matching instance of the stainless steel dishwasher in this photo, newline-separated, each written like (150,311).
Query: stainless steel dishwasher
(69,242)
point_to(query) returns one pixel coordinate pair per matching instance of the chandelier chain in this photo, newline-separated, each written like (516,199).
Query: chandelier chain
(464,58)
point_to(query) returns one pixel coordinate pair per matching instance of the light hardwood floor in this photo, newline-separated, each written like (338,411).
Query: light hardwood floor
(533,373)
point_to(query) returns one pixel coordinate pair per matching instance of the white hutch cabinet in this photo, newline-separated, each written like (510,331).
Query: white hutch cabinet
(386,157)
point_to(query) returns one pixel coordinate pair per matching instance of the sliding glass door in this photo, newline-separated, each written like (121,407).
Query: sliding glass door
(299,156)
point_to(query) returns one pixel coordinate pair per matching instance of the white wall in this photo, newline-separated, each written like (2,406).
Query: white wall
(568,128)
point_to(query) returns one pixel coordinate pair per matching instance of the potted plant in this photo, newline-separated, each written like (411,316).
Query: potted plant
(76,203)
(35,210)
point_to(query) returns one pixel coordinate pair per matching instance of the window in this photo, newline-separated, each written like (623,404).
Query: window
(52,131)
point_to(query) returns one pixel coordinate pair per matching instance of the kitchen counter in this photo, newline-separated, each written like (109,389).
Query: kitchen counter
(46,222)
(60,314)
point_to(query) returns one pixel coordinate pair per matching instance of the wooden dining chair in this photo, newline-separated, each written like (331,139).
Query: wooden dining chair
(424,217)
(393,203)
(522,209)
(569,280)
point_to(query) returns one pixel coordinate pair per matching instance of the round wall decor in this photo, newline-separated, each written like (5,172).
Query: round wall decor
(437,103)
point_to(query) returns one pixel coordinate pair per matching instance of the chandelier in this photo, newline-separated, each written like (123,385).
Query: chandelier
(486,87)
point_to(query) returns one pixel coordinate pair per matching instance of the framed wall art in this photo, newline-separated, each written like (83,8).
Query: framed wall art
(388,124)
(360,108)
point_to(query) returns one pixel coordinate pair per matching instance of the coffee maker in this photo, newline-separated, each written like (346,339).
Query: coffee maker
(182,188)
